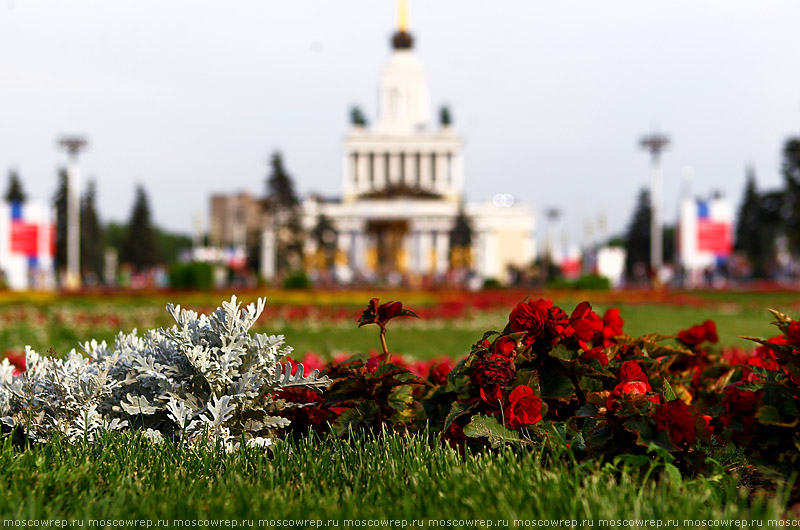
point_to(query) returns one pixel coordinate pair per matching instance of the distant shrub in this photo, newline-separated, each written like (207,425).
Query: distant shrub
(297,280)
(593,282)
(193,275)
(491,283)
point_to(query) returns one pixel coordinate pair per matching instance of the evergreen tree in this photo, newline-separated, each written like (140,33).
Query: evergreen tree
(283,206)
(357,118)
(140,247)
(91,234)
(637,238)
(445,118)
(280,186)
(751,236)
(60,205)
(791,173)
(15,192)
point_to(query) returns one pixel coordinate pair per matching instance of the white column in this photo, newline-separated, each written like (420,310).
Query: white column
(425,171)
(381,178)
(73,224)
(267,253)
(425,241)
(442,251)
(441,172)
(347,187)
(394,168)
(363,172)
(458,172)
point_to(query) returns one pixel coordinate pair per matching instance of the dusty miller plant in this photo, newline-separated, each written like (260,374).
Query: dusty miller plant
(205,380)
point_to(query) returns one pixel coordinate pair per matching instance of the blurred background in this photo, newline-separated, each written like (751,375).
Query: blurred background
(397,143)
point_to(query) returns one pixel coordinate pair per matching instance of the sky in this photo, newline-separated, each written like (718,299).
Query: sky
(190,97)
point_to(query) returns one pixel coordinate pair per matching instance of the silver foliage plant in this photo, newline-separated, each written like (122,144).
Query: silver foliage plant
(205,380)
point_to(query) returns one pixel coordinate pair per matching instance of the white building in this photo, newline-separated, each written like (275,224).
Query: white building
(402,190)
(27,245)
(705,236)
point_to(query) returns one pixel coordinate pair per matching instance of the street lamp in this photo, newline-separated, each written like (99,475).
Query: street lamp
(655,143)
(73,145)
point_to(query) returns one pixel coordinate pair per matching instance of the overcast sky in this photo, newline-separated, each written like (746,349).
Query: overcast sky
(189,97)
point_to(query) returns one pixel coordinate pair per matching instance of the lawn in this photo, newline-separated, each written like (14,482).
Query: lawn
(407,478)
(393,477)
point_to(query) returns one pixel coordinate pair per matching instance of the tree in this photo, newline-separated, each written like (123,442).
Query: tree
(751,237)
(357,117)
(461,241)
(637,238)
(791,174)
(15,192)
(140,246)
(445,118)
(283,205)
(91,234)
(280,186)
(60,205)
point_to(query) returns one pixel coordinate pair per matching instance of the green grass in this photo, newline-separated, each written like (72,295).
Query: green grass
(125,477)
(62,325)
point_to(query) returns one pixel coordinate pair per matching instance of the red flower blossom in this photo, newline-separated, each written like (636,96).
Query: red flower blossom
(739,404)
(676,418)
(440,370)
(793,333)
(705,332)
(612,326)
(17,360)
(598,352)
(505,346)
(631,371)
(585,323)
(543,322)
(493,370)
(373,363)
(525,408)
(382,314)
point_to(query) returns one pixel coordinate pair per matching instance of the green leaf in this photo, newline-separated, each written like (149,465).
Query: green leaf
(557,387)
(457,409)
(769,415)
(666,389)
(563,353)
(399,397)
(488,427)
(672,472)
(587,411)
(363,414)
(528,377)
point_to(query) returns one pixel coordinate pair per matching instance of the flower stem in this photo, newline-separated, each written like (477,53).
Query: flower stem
(383,344)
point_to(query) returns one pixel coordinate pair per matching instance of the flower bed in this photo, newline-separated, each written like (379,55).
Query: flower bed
(550,379)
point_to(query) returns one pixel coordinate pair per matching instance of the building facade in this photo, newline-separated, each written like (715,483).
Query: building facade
(402,194)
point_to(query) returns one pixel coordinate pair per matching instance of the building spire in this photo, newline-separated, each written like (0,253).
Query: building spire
(402,40)
(402,16)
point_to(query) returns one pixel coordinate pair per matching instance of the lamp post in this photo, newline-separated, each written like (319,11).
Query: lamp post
(655,143)
(73,145)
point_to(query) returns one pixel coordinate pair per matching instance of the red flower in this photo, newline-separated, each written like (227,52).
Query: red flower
(707,331)
(372,364)
(382,314)
(505,346)
(493,370)
(676,418)
(543,322)
(612,326)
(525,408)
(793,333)
(18,361)
(440,370)
(631,371)
(598,352)
(585,323)
(739,404)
